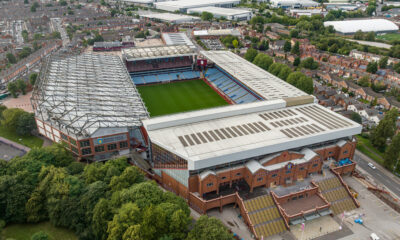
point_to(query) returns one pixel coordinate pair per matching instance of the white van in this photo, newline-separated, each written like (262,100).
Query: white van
(374,236)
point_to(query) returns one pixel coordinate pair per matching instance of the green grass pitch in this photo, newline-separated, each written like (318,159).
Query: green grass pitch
(175,97)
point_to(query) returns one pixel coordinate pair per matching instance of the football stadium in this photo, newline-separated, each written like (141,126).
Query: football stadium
(209,126)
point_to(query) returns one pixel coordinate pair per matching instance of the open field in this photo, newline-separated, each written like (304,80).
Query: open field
(389,36)
(364,145)
(29,141)
(175,97)
(25,231)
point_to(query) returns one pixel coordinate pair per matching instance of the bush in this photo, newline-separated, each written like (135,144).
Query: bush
(40,236)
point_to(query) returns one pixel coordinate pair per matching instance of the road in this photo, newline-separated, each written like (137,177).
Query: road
(380,174)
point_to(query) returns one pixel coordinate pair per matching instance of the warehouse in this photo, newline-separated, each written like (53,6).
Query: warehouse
(349,27)
(184,5)
(229,14)
(170,17)
(293,3)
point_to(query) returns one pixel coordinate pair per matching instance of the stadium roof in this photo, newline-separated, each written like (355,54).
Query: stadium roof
(262,82)
(177,39)
(220,11)
(183,5)
(144,53)
(365,25)
(221,135)
(81,94)
(170,17)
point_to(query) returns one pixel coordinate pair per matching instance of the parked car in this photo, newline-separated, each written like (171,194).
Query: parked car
(371,165)
(374,236)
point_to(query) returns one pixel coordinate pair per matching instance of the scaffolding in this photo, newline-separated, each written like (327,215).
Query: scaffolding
(80,94)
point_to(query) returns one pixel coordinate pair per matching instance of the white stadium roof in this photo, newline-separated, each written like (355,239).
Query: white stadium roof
(143,53)
(365,25)
(226,134)
(81,94)
(262,82)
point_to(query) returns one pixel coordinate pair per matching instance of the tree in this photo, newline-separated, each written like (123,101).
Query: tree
(113,12)
(11,58)
(34,6)
(356,117)
(383,62)
(25,124)
(296,48)
(40,236)
(392,153)
(26,51)
(12,88)
(56,35)
(309,63)
(209,228)
(364,81)
(26,1)
(63,3)
(21,85)
(250,54)
(370,36)
(235,43)
(2,108)
(128,215)
(284,72)
(385,129)
(131,175)
(294,33)
(301,81)
(287,46)
(296,62)
(372,67)
(32,78)
(263,61)
(10,118)
(102,214)
(207,16)
(263,45)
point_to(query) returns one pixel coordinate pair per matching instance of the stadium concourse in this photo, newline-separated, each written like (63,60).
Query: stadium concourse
(226,131)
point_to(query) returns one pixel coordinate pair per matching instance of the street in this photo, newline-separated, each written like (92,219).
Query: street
(380,174)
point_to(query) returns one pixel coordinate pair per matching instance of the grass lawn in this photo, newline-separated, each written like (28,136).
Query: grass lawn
(180,96)
(389,36)
(25,231)
(364,145)
(30,141)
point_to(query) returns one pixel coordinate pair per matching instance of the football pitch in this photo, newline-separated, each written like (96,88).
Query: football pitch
(175,97)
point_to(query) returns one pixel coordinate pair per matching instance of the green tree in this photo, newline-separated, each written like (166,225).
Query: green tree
(207,16)
(209,228)
(392,152)
(364,81)
(301,81)
(383,62)
(235,43)
(284,72)
(294,33)
(63,3)
(370,36)
(296,62)
(385,129)
(128,215)
(12,88)
(131,175)
(21,85)
(102,214)
(263,45)
(372,67)
(25,124)
(10,118)
(263,61)
(32,78)
(296,48)
(11,58)
(356,117)
(287,46)
(250,54)
(309,63)
(25,35)
(40,236)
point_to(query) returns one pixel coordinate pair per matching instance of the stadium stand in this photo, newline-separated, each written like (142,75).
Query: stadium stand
(337,195)
(156,64)
(264,216)
(165,75)
(226,84)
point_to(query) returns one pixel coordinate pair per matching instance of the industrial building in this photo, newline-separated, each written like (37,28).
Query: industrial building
(349,27)
(177,39)
(184,5)
(229,14)
(293,4)
(90,103)
(216,33)
(170,17)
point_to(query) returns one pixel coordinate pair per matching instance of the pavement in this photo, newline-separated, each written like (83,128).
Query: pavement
(380,175)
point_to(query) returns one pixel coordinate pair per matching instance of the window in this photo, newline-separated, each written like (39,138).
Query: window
(223,178)
(72,141)
(302,168)
(287,179)
(294,198)
(85,143)
(301,196)
(238,174)
(288,171)
(99,149)
(64,137)
(345,152)
(210,184)
(86,151)
(75,150)
(259,179)
(330,153)
(274,175)
(315,165)
(111,146)
(123,144)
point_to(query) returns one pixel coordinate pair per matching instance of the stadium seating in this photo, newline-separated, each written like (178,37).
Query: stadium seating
(336,194)
(264,216)
(165,75)
(230,87)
